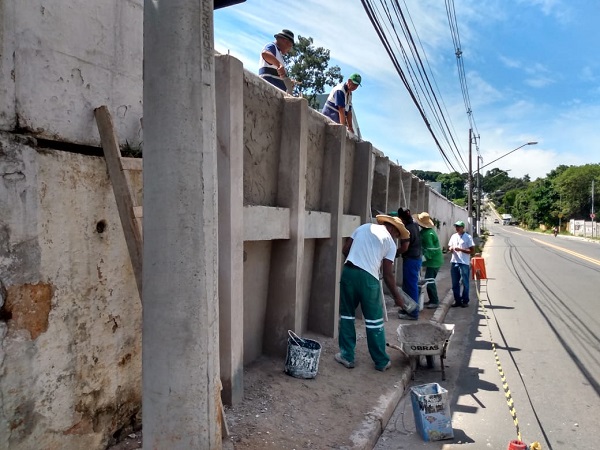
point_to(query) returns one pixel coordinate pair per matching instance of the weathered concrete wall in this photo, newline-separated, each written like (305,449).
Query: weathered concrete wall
(60,60)
(70,344)
(70,316)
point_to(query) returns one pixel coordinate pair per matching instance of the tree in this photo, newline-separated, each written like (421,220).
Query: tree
(574,186)
(426,175)
(309,67)
(453,187)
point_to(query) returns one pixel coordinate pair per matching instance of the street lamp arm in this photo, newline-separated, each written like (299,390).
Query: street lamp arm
(506,154)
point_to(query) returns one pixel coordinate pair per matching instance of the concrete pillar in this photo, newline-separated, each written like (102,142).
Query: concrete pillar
(413,203)
(395,188)
(421,199)
(180,315)
(427,196)
(362,184)
(327,262)
(285,278)
(406,188)
(381,177)
(229,77)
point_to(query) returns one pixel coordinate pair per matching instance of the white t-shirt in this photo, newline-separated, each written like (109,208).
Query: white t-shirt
(371,244)
(465,241)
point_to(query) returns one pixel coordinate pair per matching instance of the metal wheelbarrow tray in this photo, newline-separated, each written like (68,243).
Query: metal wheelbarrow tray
(425,339)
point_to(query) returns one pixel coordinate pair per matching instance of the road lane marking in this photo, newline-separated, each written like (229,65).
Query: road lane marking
(570,252)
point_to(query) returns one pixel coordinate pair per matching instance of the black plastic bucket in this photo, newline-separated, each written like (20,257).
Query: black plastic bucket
(302,360)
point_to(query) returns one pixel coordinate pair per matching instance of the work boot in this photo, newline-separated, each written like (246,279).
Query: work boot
(347,364)
(384,368)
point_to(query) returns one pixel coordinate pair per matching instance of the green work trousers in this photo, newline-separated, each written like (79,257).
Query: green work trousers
(431,272)
(358,287)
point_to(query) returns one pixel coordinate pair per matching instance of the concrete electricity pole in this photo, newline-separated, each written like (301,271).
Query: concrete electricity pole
(470,178)
(180,354)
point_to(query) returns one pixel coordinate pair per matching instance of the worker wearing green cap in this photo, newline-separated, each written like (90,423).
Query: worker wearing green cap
(338,106)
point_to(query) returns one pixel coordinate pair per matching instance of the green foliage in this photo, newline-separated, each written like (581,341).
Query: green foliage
(574,188)
(309,66)
(565,193)
(453,186)
(132,150)
(426,175)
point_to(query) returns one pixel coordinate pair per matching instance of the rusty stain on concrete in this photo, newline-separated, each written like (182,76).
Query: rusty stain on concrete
(28,306)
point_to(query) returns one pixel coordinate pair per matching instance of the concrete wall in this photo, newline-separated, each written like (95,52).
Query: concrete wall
(70,340)
(292,185)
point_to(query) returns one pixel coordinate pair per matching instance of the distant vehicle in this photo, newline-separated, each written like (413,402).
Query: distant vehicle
(506,219)
(496,221)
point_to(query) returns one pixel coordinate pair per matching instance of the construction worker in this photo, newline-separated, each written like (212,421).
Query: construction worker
(432,255)
(462,247)
(411,263)
(271,65)
(338,106)
(370,247)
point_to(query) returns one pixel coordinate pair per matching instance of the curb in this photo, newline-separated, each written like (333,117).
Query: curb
(369,431)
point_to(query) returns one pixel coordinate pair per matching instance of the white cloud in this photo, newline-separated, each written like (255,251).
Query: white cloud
(514,98)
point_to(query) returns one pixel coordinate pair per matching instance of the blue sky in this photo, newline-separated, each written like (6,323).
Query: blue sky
(532,69)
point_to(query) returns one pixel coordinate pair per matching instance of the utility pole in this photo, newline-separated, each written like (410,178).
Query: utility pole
(470,178)
(478,228)
(592,215)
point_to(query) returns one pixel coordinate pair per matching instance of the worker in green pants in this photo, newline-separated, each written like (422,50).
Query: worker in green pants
(370,247)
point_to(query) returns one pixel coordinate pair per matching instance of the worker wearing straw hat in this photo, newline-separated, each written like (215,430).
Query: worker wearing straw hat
(370,247)
(432,255)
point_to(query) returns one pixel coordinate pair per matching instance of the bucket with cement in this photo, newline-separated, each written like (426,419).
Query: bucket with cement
(302,360)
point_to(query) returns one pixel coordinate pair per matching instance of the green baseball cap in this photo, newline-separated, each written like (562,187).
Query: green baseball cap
(460,223)
(355,78)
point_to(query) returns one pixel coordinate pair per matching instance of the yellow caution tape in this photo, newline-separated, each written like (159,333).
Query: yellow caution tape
(507,394)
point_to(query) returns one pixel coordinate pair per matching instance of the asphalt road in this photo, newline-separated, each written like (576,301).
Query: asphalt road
(543,316)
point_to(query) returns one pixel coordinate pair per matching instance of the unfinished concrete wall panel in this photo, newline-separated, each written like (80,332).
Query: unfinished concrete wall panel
(413,203)
(72,347)
(70,57)
(406,188)
(256,287)
(421,199)
(315,154)
(263,109)
(395,188)
(381,179)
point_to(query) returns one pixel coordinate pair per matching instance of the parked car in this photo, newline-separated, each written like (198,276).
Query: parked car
(496,220)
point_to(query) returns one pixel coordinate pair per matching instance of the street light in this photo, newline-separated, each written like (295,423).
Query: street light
(491,162)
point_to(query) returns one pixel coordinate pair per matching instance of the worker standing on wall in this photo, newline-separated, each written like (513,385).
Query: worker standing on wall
(338,106)
(271,65)
(370,247)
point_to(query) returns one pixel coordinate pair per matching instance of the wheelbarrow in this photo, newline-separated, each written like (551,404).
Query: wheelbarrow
(424,339)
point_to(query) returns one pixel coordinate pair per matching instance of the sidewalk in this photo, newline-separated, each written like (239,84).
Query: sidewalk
(339,408)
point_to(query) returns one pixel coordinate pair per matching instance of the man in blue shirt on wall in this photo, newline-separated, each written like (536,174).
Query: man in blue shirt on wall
(338,106)
(271,65)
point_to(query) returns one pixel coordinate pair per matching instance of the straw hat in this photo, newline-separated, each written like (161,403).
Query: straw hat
(424,220)
(384,218)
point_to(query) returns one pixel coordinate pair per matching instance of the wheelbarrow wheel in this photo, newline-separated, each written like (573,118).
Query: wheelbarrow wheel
(430,361)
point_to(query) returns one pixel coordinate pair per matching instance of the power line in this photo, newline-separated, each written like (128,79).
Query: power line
(393,27)
(414,76)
